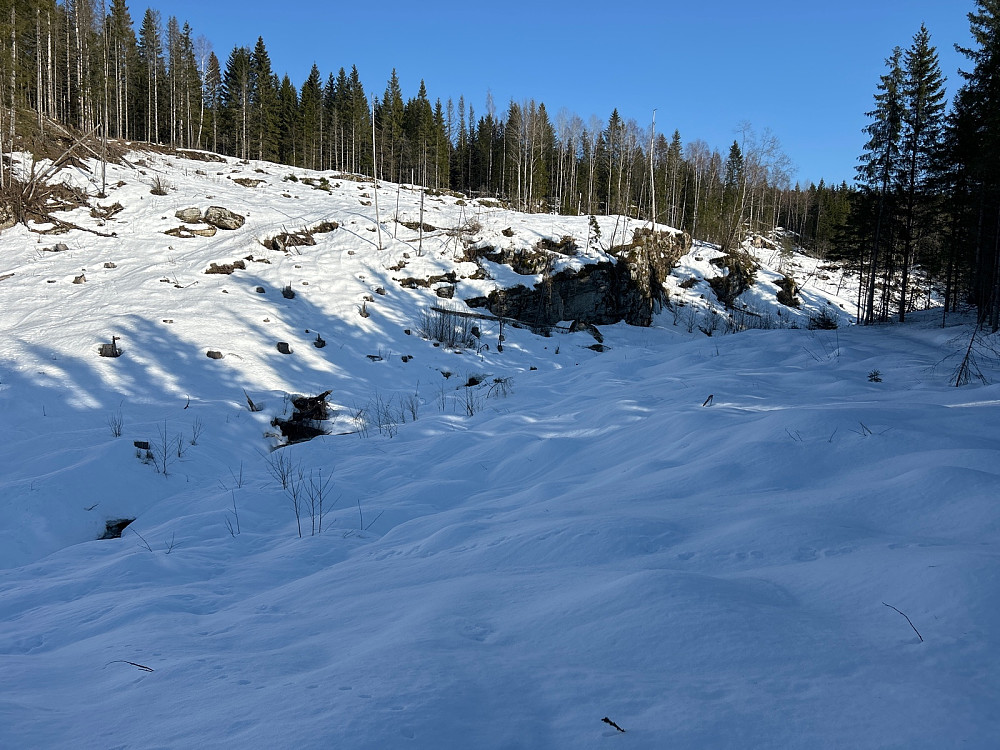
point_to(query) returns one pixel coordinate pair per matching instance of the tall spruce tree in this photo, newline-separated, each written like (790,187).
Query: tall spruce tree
(360,124)
(311,103)
(877,171)
(733,193)
(122,68)
(263,103)
(288,122)
(212,96)
(174,66)
(674,170)
(418,130)
(153,72)
(611,158)
(332,122)
(389,115)
(440,147)
(341,114)
(920,144)
(236,88)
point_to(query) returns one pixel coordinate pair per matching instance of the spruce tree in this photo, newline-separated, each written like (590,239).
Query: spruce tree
(288,122)
(513,128)
(361,125)
(122,66)
(460,178)
(920,142)
(341,112)
(153,72)
(418,132)
(212,95)
(733,192)
(390,126)
(236,88)
(191,88)
(174,69)
(311,103)
(610,160)
(331,128)
(674,167)
(441,146)
(880,163)
(263,103)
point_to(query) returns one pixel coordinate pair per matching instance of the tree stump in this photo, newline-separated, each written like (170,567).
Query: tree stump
(110,350)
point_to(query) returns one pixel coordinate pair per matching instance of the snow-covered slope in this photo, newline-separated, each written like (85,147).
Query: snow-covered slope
(696,537)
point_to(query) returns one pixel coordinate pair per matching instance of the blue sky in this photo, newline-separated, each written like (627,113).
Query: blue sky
(805,71)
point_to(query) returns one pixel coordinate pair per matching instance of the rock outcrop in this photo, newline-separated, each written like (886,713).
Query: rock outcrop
(628,289)
(306,422)
(741,270)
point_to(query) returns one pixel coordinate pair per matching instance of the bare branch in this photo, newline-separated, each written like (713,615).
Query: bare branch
(908,620)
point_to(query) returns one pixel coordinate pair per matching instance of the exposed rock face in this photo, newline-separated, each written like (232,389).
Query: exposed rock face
(114,527)
(741,271)
(527,261)
(630,289)
(223,218)
(307,420)
(787,289)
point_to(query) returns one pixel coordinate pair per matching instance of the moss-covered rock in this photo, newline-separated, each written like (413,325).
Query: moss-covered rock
(787,289)
(741,269)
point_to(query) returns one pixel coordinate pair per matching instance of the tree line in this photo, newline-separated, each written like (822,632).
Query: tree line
(927,194)
(83,64)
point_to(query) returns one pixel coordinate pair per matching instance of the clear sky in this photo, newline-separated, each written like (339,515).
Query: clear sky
(804,70)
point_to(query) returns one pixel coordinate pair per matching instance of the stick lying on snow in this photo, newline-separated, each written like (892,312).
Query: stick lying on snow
(909,621)
(123,661)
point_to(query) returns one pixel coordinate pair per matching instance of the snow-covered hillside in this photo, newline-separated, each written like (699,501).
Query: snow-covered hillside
(713,541)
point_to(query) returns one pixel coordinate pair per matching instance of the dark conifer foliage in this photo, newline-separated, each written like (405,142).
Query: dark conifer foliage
(973,164)
(877,172)
(263,104)
(929,195)
(289,119)
(236,105)
(922,127)
(311,120)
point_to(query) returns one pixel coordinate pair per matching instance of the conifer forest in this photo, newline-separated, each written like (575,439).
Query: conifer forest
(920,222)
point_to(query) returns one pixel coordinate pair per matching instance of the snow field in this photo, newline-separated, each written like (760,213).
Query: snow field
(596,543)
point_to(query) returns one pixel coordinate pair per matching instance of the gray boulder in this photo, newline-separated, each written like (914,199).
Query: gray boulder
(189,215)
(223,218)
